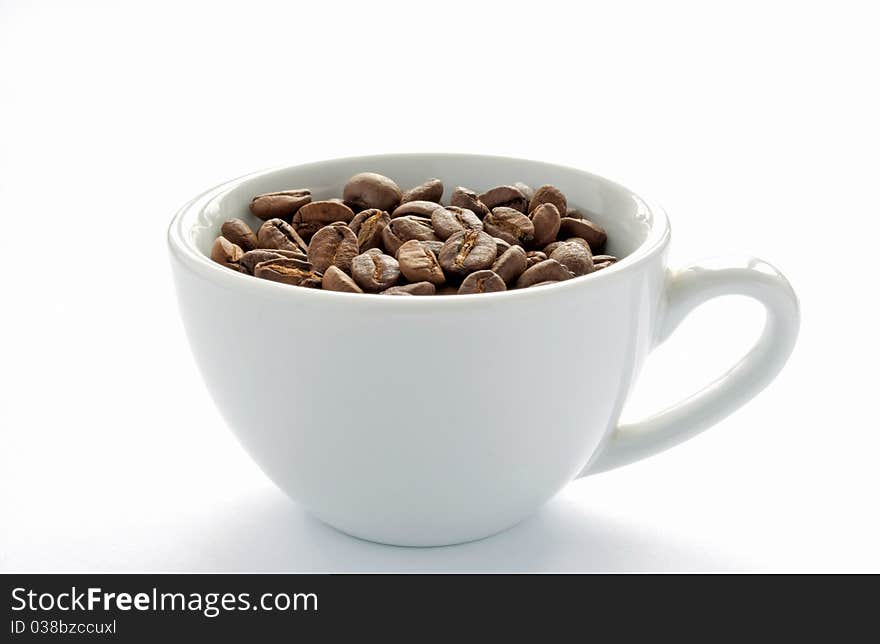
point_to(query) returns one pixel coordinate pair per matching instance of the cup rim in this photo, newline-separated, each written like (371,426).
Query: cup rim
(182,247)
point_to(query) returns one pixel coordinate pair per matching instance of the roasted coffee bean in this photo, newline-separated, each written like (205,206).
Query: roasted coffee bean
(374,271)
(452,219)
(546,220)
(253,257)
(336,280)
(368,226)
(603,261)
(279,205)
(546,271)
(511,264)
(482,282)
(506,197)
(468,199)
(419,208)
(573,213)
(418,288)
(315,215)
(510,225)
(468,251)
(226,253)
(403,229)
(534,257)
(277,233)
(371,190)
(334,245)
(585,229)
(431,190)
(418,264)
(549,194)
(502,245)
(447,290)
(576,257)
(527,190)
(240,234)
(288,271)
(432,245)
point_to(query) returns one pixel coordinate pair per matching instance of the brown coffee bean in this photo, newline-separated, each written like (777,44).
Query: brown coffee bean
(277,233)
(603,261)
(511,264)
(502,245)
(432,245)
(279,205)
(534,257)
(549,248)
(504,197)
(527,190)
(447,290)
(431,190)
(418,288)
(336,280)
(371,190)
(403,229)
(334,245)
(468,199)
(510,225)
(315,215)
(585,229)
(418,264)
(546,220)
(374,271)
(288,271)
(368,226)
(548,270)
(549,194)
(468,251)
(226,253)
(452,219)
(482,282)
(573,213)
(576,257)
(253,257)
(418,208)
(240,234)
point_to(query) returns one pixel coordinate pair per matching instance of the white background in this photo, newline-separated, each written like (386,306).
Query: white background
(755,124)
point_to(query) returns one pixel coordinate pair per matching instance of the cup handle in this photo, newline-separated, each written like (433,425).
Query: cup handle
(686,289)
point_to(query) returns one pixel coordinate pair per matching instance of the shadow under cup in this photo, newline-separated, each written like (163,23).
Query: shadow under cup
(422,420)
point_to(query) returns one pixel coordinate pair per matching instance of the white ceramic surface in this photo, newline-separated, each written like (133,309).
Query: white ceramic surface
(423,420)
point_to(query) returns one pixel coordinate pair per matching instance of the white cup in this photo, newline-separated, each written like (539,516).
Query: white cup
(424,421)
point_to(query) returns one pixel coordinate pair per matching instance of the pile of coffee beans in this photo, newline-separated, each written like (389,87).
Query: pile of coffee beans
(378,238)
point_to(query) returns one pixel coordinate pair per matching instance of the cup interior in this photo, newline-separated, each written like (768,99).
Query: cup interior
(630,223)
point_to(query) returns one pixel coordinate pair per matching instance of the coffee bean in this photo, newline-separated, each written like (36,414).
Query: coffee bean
(502,245)
(576,257)
(534,257)
(468,251)
(336,280)
(334,245)
(226,253)
(277,233)
(253,257)
(528,192)
(511,264)
(240,234)
(585,229)
(573,213)
(371,190)
(510,225)
(418,208)
(432,245)
(603,261)
(403,229)
(549,194)
(468,199)
(431,190)
(548,270)
(447,290)
(279,205)
(315,215)
(545,283)
(368,226)
(288,271)
(546,220)
(506,197)
(549,248)
(374,271)
(452,219)
(482,282)
(418,288)
(418,264)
